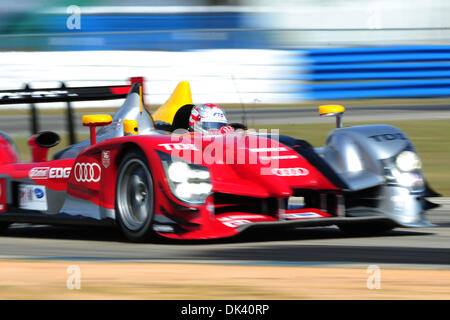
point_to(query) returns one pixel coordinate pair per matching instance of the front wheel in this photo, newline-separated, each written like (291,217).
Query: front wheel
(135,197)
(366,229)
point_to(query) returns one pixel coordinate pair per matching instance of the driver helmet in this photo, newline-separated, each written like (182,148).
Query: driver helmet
(209,118)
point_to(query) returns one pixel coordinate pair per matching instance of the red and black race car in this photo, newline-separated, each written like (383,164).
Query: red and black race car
(140,173)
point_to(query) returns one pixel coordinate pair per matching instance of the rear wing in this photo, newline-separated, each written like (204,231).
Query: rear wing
(64,94)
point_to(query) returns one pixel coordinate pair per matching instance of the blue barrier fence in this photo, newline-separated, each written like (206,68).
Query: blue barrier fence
(168,32)
(380,72)
(332,73)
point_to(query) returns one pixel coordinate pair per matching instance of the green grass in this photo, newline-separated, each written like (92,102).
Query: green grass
(430,137)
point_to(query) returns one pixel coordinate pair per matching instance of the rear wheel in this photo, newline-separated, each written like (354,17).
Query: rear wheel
(366,229)
(135,197)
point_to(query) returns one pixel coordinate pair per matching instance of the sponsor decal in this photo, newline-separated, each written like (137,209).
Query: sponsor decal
(106,158)
(301,215)
(388,137)
(178,146)
(87,172)
(38,173)
(214,117)
(47,172)
(233,223)
(39,193)
(293,156)
(36,94)
(268,149)
(59,173)
(32,197)
(290,172)
(249,216)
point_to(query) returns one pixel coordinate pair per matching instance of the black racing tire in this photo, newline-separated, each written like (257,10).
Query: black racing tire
(366,228)
(134,205)
(4,226)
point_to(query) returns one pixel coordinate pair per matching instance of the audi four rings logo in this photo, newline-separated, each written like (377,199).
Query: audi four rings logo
(290,172)
(87,172)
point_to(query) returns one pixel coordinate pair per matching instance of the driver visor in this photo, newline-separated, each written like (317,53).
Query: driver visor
(213,125)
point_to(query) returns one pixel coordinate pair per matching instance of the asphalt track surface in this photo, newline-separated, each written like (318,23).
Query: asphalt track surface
(307,246)
(18,125)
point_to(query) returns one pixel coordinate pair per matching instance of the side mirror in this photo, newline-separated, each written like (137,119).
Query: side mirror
(40,143)
(93,121)
(333,110)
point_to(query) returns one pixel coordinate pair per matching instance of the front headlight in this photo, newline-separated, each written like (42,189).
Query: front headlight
(408,161)
(405,170)
(189,182)
(410,180)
